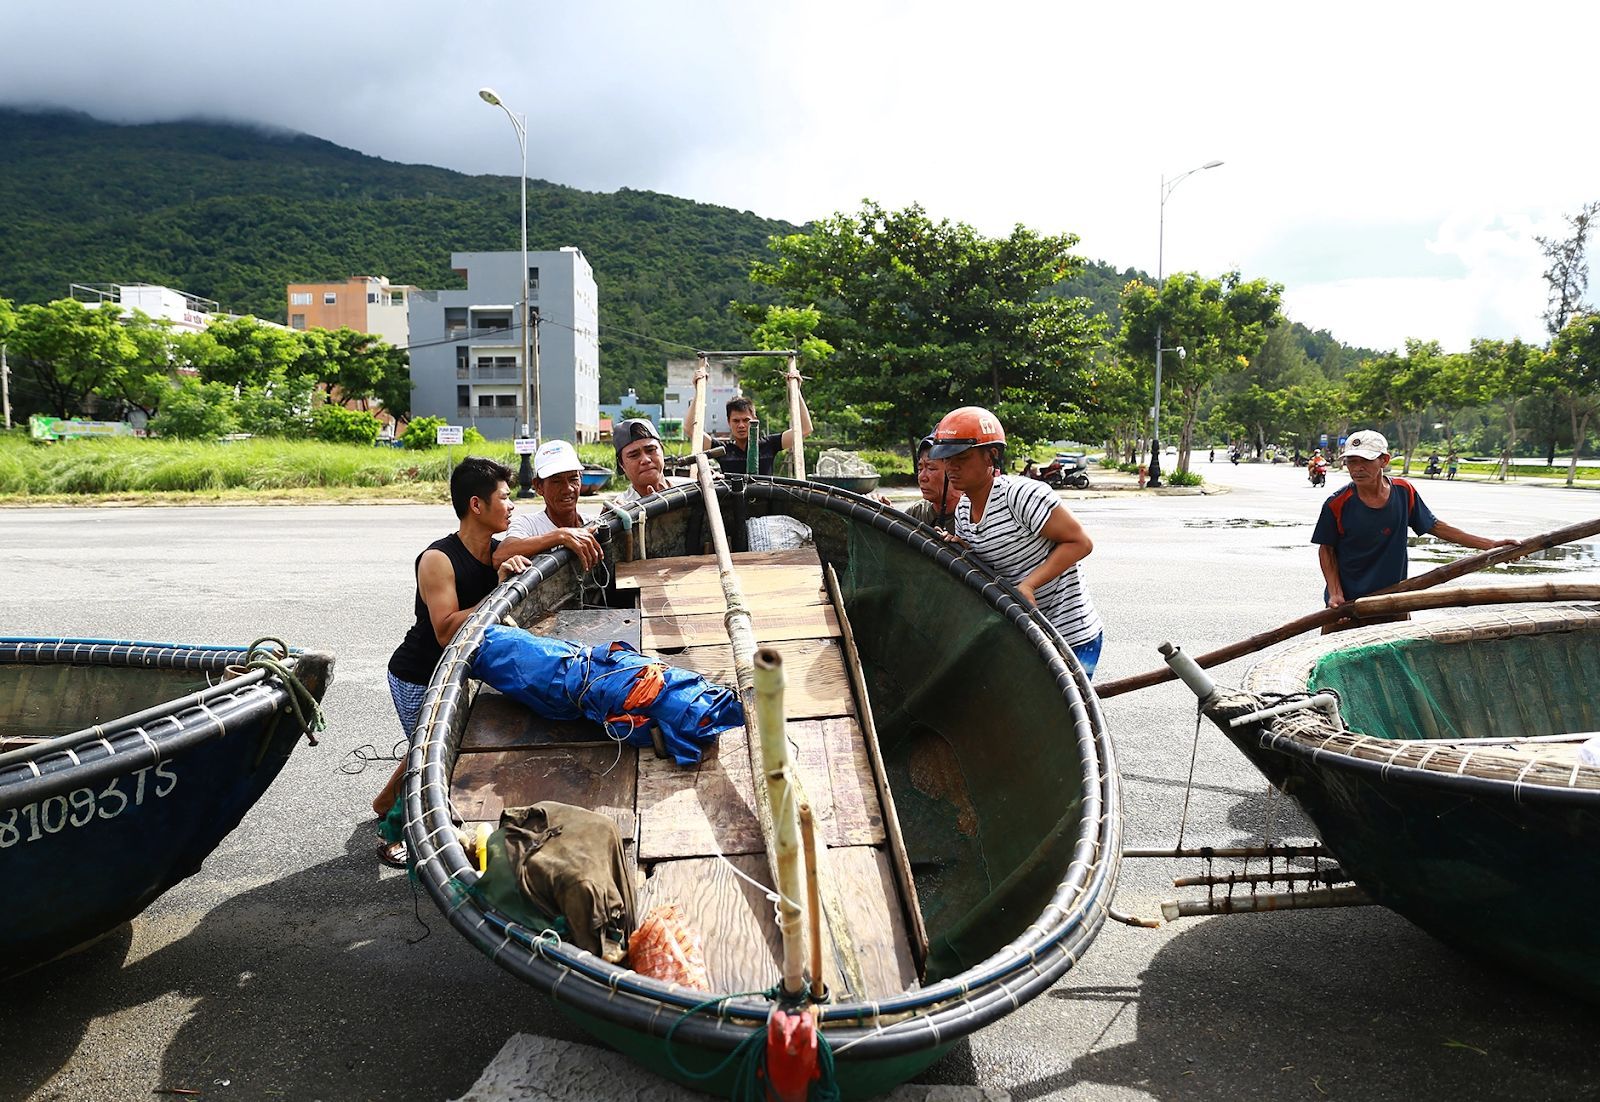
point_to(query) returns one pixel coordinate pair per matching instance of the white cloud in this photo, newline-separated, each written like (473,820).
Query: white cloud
(1370,148)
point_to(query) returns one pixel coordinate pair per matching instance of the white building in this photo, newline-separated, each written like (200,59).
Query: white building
(720,387)
(466,346)
(184,311)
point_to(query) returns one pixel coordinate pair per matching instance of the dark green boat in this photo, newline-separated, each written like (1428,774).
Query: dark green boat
(1451,780)
(996,796)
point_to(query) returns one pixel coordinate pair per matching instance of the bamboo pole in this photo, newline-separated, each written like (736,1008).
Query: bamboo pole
(808,839)
(1465,565)
(1347,896)
(1313,850)
(786,847)
(1329,876)
(798,450)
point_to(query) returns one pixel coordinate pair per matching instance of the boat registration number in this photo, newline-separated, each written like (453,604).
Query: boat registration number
(82,806)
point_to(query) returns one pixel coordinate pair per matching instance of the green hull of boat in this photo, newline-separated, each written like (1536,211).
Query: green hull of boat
(1502,871)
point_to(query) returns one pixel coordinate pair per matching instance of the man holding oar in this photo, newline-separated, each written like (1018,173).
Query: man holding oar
(1361,530)
(736,449)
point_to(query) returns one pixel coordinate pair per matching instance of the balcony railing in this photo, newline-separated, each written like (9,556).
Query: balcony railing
(493,374)
(468,414)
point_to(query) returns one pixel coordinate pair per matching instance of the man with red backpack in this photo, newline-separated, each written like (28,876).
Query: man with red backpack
(1361,530)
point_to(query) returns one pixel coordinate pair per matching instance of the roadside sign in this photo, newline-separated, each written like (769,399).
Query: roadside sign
(526,445)
(1324,440)
(448,434)
(1342,439)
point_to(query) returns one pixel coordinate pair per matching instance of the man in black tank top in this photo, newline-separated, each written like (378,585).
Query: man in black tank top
(453,575)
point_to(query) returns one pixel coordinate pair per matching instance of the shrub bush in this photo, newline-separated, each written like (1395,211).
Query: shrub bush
(337,425)
(1184,478)
(196,411)
(423,433)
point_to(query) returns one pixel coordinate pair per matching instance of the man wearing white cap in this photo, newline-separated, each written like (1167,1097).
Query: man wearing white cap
(558,476)
(1361,531)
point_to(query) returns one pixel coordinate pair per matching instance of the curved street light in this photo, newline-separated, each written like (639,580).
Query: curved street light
(530,367)
(1167,187)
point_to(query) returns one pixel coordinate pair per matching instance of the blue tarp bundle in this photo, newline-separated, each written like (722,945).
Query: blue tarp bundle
(614,686)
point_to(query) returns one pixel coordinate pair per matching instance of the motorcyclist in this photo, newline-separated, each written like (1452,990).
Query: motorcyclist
(1317,469)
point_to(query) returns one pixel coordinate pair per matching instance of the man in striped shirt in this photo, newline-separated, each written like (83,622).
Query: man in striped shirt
(1019,528)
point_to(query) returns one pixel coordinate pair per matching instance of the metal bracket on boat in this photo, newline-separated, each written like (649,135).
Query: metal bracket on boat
(1323,702)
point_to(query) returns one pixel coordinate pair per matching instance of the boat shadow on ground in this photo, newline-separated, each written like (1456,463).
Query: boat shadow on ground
(1330,1003)
(305,987)
(1324,1003)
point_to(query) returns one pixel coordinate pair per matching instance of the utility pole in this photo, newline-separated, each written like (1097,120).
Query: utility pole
(5,383)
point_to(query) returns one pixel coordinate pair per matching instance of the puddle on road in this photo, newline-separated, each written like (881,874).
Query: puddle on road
(1242,522)
(1552,560)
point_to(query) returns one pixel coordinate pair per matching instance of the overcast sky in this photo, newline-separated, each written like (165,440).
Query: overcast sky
(1389,163)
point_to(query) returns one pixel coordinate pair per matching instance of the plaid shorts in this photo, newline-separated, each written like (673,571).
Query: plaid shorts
(407,702)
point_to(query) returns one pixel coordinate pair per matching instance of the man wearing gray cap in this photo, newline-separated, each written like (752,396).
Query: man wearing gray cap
(1361,530)
(641,458)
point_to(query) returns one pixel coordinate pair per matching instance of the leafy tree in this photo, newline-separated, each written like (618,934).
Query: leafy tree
(243,352)
(1509,371)
(67,351)
(1256,410)
(1575,357)
(925,316)
(196,411)
(282,406)
(1568,274)
(393,389)
(1220,323)
(1400,387)
(1310,409)
(338,425)
(781,328)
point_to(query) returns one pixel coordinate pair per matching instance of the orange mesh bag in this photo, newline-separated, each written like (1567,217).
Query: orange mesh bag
(665,948)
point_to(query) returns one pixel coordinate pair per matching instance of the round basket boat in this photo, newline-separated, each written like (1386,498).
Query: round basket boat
(1450,782)
(854,483)
(992,744)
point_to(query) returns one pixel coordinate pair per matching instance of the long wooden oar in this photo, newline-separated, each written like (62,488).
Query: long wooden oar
(741,635)
(792,376)
(1464,565)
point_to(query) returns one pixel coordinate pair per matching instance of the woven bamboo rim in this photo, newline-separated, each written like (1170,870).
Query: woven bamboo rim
(1521,764)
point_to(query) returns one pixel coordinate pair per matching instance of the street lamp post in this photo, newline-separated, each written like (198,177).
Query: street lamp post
(1161,241)
(530,370)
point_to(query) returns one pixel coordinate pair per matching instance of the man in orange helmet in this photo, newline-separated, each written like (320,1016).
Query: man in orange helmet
(1019,528)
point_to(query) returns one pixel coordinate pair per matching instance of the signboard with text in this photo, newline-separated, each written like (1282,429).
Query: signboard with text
(448,434)
(526,445)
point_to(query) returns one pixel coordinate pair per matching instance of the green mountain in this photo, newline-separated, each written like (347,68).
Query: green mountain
(235,213)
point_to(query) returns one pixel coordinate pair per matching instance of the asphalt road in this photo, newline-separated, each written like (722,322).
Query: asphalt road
(293,967)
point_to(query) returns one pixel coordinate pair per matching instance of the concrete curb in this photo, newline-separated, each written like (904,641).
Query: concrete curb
(529,1068)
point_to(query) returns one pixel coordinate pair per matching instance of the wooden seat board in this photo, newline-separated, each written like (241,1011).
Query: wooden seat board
(486,783)
(700,629)
(500,723)
(669,600)
(710,807)
(734,919)
(817,681)
(631,575)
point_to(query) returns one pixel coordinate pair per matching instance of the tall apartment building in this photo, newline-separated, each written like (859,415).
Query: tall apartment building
(466,348)
(368,304)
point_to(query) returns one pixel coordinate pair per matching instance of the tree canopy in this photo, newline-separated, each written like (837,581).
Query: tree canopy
(924,316)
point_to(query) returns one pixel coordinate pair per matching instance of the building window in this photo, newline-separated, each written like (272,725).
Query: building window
(533,279)
(463,396)
(372,296)
(455,319)
(300,298)
(297,321)
(329,298)
(506,401)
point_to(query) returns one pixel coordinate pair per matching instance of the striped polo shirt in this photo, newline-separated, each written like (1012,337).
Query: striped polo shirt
(1007,540)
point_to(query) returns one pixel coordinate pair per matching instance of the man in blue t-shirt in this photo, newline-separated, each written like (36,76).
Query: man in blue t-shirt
(1361,531)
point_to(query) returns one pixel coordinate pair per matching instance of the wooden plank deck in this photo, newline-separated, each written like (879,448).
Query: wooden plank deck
(694,825)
